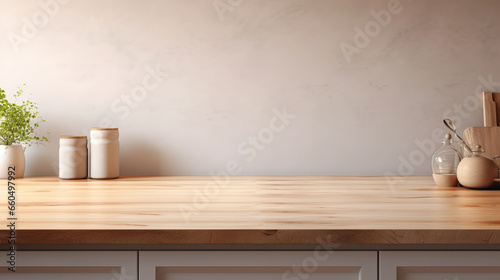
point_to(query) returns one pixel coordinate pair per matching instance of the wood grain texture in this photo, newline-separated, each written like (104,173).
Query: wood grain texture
(487,137)
(491,108)
(252,210)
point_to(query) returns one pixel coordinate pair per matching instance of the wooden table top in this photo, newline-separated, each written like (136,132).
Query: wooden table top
(251,210)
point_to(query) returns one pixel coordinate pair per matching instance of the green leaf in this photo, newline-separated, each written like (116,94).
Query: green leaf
(18,122)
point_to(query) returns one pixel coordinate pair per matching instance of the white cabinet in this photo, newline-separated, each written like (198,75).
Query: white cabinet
(258,265)
(434,265)
(74,265)
(253,265)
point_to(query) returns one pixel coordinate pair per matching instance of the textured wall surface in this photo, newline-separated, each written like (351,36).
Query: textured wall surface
(341,87)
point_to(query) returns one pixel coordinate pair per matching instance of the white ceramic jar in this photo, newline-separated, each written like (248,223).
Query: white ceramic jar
(12,156)
(73,157)
(104,153)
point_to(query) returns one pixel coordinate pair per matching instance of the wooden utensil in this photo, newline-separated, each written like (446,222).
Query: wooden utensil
(491,108)
(487,137)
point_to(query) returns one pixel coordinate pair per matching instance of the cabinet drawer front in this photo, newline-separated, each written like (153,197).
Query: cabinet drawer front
(262,265)
(74,265)
(430,265)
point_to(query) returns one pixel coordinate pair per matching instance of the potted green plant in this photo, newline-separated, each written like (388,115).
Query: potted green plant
(18,123)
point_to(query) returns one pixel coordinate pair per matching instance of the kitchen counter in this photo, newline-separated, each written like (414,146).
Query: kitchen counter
(269,210)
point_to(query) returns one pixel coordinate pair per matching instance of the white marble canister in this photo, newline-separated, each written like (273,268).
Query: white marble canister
(73,157)
(104,153)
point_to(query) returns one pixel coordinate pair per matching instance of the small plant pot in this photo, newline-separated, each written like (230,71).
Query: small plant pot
(12,156)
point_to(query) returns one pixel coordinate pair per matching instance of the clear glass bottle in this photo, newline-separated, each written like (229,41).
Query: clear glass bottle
(445,161)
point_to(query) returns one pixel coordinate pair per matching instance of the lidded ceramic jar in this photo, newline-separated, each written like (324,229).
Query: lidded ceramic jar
(73,157)
(104,153)
(477,170)
(445,161)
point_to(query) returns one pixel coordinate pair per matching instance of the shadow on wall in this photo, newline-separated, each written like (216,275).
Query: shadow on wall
(145,159)
(42,160)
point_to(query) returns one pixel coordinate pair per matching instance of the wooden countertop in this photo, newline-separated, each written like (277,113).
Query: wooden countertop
(251,210)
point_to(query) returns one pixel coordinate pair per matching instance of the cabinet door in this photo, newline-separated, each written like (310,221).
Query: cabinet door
(449,265)
(65,265)
(257,265)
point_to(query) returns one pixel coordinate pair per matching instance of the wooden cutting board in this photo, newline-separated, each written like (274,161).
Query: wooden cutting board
(487,137)
(491,108)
